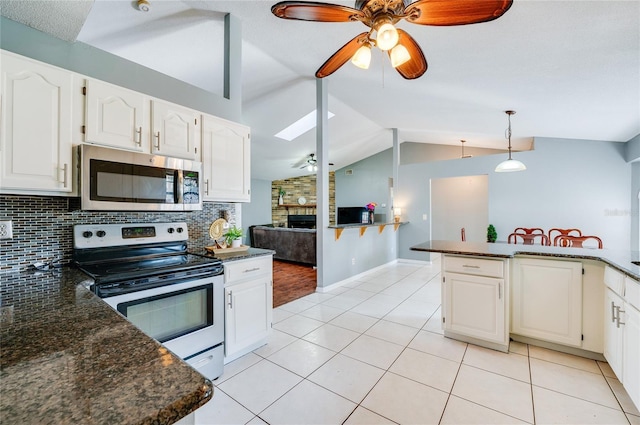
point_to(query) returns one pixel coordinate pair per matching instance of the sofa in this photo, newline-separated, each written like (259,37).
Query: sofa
(296,245)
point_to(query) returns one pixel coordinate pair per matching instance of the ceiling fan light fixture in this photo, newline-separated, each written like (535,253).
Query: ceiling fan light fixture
(387,36)
(399,55)
(362,57)
(510,165)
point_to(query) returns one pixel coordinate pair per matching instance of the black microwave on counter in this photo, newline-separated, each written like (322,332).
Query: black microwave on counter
(353,215)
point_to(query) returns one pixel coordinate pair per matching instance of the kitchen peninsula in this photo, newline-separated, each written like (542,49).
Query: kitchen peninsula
(69,358)
(578,300)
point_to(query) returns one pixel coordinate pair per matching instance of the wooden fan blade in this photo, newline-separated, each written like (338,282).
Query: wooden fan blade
(417,65)
(315,11)
(455,12)
(340,57)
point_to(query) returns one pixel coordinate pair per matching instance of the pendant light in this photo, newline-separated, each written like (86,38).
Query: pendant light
(462,154)
(510,164)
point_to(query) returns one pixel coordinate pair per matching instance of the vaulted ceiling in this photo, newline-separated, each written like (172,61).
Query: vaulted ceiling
(571,69)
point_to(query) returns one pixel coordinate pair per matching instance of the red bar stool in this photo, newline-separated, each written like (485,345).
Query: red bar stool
(528,236)
(528,239)
(562,232)
(577,241)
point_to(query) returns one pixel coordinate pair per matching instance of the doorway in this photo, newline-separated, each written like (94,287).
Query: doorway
(459,203)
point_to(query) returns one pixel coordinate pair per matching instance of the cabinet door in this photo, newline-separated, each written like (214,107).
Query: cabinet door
(631,353)
(226,159)
(35,135)
(116,117)
(175,131)
(248,315)
(547,300)
(475,306)
(612,332)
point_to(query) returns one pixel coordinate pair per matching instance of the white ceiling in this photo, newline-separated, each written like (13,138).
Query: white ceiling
(571,69)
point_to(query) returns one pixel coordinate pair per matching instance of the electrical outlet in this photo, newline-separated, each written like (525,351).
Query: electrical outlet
(353,261)
(6,229)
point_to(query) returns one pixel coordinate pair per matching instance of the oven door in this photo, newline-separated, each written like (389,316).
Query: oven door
(187,317)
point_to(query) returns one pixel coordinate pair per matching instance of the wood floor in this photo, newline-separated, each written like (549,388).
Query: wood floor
(292,281)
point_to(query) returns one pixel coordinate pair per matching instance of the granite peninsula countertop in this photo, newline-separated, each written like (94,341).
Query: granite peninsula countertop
(620,260)
(68,358)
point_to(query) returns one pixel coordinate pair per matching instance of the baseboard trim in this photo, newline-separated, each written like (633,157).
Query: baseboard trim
(417,262)
(352,278)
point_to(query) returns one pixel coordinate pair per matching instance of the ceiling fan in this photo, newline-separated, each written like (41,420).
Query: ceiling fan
(380,16)
(310,163)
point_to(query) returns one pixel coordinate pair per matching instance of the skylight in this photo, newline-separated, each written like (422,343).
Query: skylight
(301,126)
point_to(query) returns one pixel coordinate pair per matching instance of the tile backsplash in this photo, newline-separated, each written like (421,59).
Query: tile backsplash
(43,227)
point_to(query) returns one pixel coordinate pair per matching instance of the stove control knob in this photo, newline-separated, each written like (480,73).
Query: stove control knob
(179,230)
(87,233)
(100,233)
(170,230)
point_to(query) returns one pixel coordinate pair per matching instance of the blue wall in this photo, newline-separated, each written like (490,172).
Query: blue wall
(568,183)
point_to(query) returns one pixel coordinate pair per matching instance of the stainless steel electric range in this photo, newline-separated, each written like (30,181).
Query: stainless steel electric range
(145,272)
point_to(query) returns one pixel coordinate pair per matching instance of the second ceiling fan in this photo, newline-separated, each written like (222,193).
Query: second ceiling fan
(381,16)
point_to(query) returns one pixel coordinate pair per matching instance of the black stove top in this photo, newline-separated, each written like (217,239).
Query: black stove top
(122,270)
(124,258)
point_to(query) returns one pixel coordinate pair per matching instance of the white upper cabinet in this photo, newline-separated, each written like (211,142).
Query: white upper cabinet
(35,135)
(175,131)
(226,155)
(116,117)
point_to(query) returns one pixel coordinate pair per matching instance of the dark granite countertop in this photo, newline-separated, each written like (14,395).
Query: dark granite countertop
(68,358)
(241,255)
(620,260)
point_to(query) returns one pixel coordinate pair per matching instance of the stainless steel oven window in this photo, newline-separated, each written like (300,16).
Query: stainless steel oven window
(173,314)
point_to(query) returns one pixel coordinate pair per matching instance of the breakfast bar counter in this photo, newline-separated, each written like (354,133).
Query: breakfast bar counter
(619,259)
(68,358)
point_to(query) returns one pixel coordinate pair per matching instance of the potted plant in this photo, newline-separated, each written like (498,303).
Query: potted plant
(233,237)
(281,193)
(492,235)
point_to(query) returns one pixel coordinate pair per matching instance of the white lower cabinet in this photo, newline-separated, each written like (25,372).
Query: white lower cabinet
(474,303)
(248,305)
(631,353)
(622,330)
(612,331)
(547,300)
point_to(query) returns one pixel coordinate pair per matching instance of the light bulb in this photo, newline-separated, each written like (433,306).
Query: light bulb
(399,55)
(309,168)
(387,37)
(362,57)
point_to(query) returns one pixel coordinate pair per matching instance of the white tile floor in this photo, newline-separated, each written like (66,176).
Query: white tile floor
(372,352)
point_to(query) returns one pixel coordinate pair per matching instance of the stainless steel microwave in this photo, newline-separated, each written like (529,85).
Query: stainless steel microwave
(117,180)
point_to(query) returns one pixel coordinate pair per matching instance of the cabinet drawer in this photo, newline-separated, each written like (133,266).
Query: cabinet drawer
(614,280)
(632,292)
(474,266)
(237,271)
